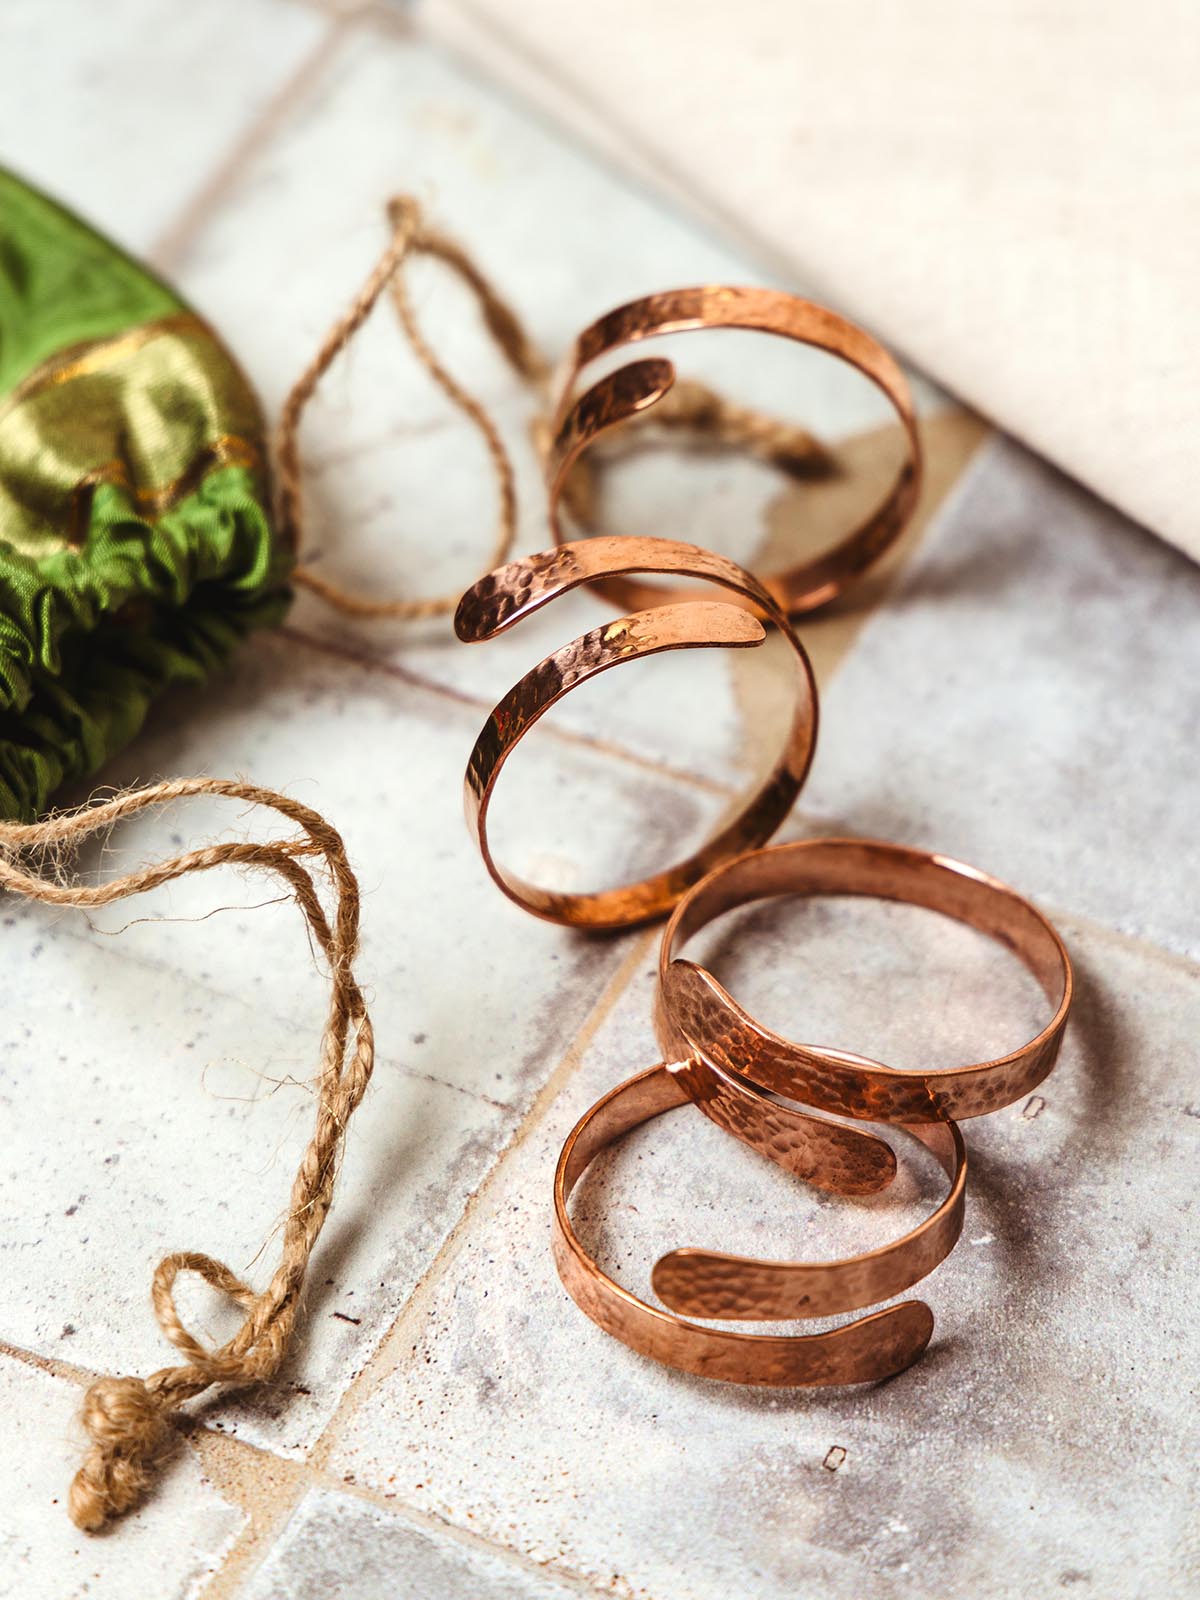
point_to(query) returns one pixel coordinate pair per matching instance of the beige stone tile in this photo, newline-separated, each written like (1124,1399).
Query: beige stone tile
(1028,699)
(1040,1442)
(335,1546)
(167,1552)
(123,111)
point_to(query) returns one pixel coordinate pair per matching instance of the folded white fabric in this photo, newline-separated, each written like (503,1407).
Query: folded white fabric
(1008,193)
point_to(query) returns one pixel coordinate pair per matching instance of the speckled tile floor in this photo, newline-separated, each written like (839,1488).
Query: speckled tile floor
(1019,687)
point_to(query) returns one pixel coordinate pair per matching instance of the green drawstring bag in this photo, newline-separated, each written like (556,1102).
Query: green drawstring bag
(136,540)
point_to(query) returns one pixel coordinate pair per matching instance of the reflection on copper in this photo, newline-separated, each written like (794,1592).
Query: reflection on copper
(700,1283)
(500,600)
(639,385)
(759,1087)
(699,1014)
(801,1106)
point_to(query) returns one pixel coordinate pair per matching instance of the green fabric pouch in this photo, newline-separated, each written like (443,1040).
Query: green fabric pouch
(136,540)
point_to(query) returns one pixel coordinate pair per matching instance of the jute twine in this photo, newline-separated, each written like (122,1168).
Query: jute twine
(129,1419)
(410,236)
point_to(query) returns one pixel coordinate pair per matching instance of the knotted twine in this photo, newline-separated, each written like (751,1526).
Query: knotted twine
(129,1420)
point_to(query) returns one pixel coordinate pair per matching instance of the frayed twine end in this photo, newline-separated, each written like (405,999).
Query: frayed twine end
(131,1432)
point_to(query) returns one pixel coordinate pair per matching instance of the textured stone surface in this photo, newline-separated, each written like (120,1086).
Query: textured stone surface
(1028,700)
(84,89)
(337,1548)
(168,1553)
(157,1058)
(1041,1442)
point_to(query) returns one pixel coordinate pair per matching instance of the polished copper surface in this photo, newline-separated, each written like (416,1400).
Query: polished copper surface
(782,1099)
(736,1288)
(697,1014)
(640,384)
(504,597)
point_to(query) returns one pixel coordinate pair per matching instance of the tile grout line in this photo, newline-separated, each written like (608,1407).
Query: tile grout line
(380,1363)
(68,1371)
(348,650)
(466,1536)
(1135,943)
(307,1477)
(1143,944)
(311,1471)
(302,1475)
(171,245)
(343,17)
(375,1366)
(461,697)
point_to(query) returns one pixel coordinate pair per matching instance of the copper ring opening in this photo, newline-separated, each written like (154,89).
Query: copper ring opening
(737,1288)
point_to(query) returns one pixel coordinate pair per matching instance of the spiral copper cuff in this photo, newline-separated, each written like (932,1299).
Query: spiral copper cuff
(802,1106)
(699,1014)
(739,1288)
(641,384)
(504,597)
(737,1072)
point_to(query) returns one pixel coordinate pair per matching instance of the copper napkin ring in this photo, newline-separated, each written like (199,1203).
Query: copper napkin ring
(640,384)
(735,1071)
(502,598)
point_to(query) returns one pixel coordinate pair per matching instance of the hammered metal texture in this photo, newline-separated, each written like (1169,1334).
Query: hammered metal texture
(871,1348)
(705,1283)
(732,1071)
(701,1014)
(640,384)
(827,1154)
(520,588)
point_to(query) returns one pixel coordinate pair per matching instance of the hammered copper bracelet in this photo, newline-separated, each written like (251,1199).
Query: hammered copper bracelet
(639,385)
(512,592)
(740,1288)
(698,1014)
(771,1094)
(725,1076)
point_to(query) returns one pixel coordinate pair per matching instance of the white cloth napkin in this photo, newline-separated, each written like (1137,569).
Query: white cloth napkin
(1006,192)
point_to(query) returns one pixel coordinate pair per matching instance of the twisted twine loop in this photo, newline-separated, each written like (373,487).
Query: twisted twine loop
(129,1420)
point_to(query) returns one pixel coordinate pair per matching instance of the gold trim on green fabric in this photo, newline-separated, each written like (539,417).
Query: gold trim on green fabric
(154,410)
(94,355)
(228,451)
